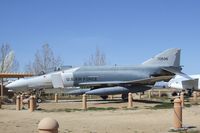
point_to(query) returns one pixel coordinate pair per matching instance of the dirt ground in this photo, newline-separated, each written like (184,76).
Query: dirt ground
(140,119)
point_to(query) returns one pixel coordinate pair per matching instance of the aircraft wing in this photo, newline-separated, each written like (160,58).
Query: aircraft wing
(146,81)
(150,81)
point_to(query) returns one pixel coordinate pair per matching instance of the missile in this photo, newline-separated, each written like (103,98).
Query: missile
(108,91)
(78,91)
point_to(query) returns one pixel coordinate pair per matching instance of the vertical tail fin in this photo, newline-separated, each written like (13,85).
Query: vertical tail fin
(170,57)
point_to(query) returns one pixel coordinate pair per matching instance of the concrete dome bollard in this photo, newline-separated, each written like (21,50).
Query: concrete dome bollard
(177,113)
(48,125)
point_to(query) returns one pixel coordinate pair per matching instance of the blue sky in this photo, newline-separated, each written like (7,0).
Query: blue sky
(127,31)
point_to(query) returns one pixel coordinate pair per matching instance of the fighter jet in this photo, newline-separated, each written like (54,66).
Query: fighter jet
(108,80)
(182,83)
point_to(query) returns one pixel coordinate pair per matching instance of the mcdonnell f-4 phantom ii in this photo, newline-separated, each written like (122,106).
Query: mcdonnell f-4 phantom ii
(108,80)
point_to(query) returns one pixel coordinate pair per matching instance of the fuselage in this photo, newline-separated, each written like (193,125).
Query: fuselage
(74,76)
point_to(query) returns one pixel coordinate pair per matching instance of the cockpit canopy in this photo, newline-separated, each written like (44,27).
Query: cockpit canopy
(54,69)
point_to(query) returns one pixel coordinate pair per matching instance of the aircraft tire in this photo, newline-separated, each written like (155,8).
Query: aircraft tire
(189,92)
(174,93)
(125,97)
(104,97)
(39,100)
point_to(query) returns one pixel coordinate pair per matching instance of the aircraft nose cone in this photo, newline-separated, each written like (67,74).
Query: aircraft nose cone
(11,85)
(8,85)
(16,84)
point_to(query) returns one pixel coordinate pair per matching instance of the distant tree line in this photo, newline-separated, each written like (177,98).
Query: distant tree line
(8,62)
(44,60)
(96,59)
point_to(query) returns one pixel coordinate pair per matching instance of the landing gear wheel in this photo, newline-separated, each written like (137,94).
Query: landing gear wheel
(174,93)
(104,97)
(190,91)
(39,100)
(124,97)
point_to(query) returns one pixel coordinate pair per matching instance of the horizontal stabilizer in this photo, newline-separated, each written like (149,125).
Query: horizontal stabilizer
(150,81)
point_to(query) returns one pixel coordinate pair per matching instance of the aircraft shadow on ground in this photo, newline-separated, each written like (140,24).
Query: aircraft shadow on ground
(122,101)
(114,101)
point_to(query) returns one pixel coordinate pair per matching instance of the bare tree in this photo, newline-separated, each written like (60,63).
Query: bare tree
(96,59)
(8,63)
(44,60)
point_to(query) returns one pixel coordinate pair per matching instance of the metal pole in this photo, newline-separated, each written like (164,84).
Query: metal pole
(195,97)
(18,103)
(139,95)
(0,102)
(130,100)
(31,109)
(159,93)
(111,97)
(1,87)
(84,102)
(182,99)
(149,94)
(1,91)
(56,97)
(21,102)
